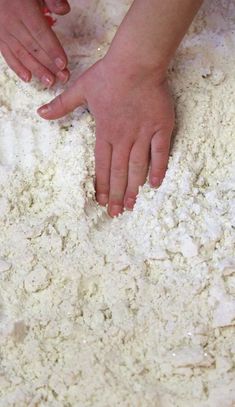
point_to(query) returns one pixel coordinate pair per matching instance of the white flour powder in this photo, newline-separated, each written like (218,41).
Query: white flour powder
(137,311)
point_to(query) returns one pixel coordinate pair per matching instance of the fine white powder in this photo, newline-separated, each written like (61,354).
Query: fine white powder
(138,311)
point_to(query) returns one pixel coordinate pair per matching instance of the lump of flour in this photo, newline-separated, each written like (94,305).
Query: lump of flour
(38,279)
(4,265)
(188,247)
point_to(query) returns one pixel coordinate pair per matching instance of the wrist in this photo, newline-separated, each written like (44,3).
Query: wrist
(134,66)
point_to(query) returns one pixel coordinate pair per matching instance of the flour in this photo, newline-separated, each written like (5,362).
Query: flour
(138,310)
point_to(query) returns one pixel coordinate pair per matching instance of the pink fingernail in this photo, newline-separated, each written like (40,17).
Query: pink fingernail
(43,110)
(102,199)
(155,182)
(60,63)
(63,76)
(115,210)
(60,3)
(47,81)
(25,77)
(130,202)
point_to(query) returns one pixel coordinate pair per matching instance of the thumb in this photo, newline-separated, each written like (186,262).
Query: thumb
(58,6)
(63,104)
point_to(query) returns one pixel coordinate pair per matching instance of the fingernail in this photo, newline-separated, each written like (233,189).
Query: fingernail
(115,210)
(62,6)
(102,199)
(63,76)
(155,182)
(60,3)
(25,77)
(43,110)
(130,202)
(60,63)
(47,81)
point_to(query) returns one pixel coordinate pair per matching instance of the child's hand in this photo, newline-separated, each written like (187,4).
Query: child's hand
(28,44)
(134,120)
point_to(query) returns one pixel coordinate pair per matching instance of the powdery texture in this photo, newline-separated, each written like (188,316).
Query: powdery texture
(139,310)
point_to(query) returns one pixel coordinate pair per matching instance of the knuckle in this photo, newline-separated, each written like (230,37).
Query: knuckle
(119,171)
(160,149)
(100,164)
(161,142)
(137,166)
(38,71)
(20,53)
(38,29)
(44,31)
(31,46)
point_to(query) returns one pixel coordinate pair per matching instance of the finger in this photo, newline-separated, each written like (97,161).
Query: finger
(14,63)
(38,70)
(43,34)
(23,36)
(118,178)
(63,76)
(160,146)
(103,154)
(63,104)
(137,173)
(58,6)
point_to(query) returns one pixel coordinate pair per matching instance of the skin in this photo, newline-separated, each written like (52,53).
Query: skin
(27,42)
(128,95)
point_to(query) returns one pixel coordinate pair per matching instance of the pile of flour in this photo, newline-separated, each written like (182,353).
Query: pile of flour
(138,311)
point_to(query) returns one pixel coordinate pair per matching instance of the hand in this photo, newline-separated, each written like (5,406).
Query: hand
(28,44)
(134,120)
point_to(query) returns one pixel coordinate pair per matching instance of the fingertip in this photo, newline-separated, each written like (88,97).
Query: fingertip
(60,7)
(130,203)
(62,10)
(61,63)
(43,111)
(102,199)
(25,76)
(155,182)
(48,81)
(115,210)
(63,76)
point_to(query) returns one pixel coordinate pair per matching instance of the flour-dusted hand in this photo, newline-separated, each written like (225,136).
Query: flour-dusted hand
(134,121)
(28,44)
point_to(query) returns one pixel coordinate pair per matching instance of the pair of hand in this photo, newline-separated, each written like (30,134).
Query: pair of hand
(132,108)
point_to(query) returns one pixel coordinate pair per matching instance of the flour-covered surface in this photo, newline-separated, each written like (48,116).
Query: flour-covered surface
(138,311)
